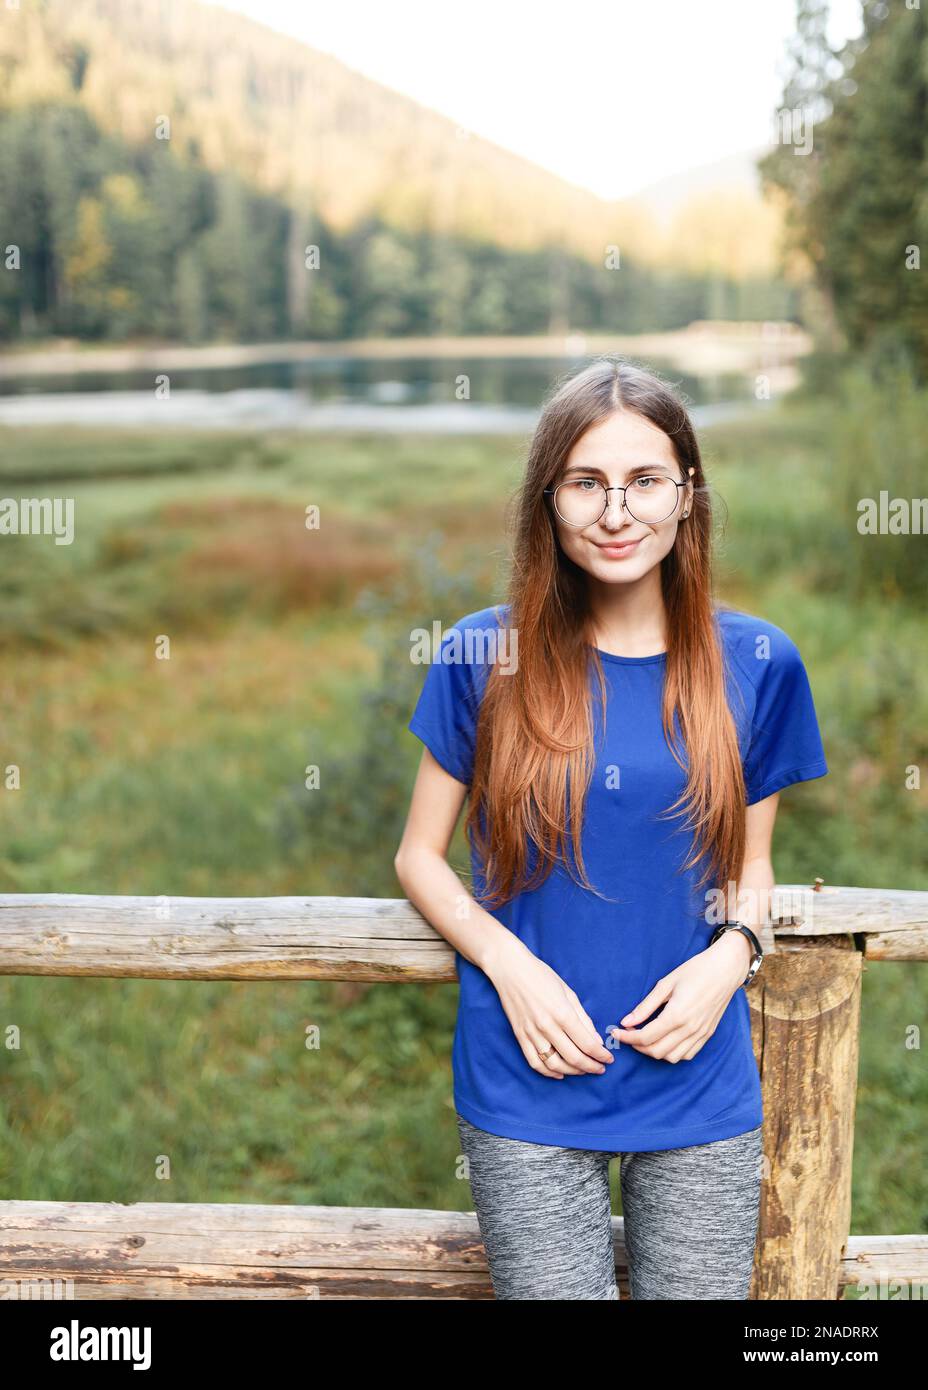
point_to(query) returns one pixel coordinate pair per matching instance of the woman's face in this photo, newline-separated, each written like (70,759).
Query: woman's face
(622,450)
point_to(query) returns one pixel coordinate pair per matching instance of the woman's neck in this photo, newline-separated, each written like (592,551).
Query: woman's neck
(628,620)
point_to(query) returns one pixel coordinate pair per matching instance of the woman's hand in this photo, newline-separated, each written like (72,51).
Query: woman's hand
(543,1010)
(694,995)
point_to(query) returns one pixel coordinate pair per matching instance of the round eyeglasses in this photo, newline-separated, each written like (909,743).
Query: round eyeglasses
(651,498)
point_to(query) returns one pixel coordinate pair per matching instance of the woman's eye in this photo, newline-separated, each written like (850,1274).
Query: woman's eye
(586,484)
(642,483)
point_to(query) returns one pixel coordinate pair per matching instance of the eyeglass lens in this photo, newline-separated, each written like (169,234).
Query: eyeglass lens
(582,501)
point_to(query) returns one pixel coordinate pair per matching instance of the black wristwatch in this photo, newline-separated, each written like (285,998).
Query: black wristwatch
(758,956)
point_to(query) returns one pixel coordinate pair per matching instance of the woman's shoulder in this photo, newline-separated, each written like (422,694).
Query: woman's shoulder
(482,628)
(481,639)
(756,644)
(494,616)
(742,629)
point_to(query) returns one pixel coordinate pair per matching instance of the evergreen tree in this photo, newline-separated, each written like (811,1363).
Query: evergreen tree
(858,211)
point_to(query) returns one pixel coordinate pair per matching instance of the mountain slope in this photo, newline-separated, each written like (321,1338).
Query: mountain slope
(295,121)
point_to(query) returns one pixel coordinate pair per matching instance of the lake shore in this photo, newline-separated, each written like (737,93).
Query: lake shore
(701,347)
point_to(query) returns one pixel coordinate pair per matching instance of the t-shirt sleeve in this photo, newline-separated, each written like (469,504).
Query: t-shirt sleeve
(785,744)
(445,716)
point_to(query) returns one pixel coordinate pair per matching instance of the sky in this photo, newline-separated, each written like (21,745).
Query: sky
(612,95)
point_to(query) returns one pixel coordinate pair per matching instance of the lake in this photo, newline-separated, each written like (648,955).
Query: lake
(337,392)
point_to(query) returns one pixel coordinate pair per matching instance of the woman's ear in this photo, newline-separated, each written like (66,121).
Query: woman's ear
(688,495)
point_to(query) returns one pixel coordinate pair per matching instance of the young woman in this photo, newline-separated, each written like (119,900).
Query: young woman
(622,740)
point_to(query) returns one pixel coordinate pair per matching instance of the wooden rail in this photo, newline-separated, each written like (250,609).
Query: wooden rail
(805,1007)
(175,1250)
(373,939)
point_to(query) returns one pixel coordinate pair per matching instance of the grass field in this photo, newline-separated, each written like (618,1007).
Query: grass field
(288,648)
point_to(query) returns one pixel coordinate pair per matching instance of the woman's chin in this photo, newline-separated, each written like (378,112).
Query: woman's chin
(612,571)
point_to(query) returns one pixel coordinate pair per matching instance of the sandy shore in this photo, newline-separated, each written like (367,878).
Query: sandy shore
(709,347)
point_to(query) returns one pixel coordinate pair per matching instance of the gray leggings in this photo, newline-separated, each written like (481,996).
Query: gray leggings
(545,1217)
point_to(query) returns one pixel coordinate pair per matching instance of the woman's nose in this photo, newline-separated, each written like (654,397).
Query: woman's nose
(615,506)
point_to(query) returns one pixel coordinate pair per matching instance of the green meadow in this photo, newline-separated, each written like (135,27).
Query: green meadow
(289,647)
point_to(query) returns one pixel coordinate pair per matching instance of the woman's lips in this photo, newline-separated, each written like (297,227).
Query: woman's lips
(617,551)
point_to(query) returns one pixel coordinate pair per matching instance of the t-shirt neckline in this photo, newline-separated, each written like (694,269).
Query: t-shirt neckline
(628,660)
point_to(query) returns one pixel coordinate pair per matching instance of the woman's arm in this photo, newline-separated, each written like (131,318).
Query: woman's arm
(752,898)
(540,1006)
(427,878)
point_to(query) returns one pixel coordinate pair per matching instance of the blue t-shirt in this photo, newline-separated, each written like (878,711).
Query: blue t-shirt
(613,953)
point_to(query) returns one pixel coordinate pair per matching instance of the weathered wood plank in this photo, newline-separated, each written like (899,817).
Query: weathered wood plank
(364,939)
(170,1250)
(892,921)
(878,1262)
(367,939)
(160,1235)
(177,1251)
(325,1284)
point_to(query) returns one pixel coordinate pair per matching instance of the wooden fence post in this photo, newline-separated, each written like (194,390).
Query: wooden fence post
(805,1021)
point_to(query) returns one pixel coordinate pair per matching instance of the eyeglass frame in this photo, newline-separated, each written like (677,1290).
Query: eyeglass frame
(578,526)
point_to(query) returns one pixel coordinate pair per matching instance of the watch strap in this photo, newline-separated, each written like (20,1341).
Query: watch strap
(758,956)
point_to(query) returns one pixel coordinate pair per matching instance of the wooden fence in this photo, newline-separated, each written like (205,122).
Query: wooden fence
(805,1013)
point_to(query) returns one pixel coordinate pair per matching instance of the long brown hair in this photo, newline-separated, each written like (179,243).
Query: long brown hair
(534,754)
